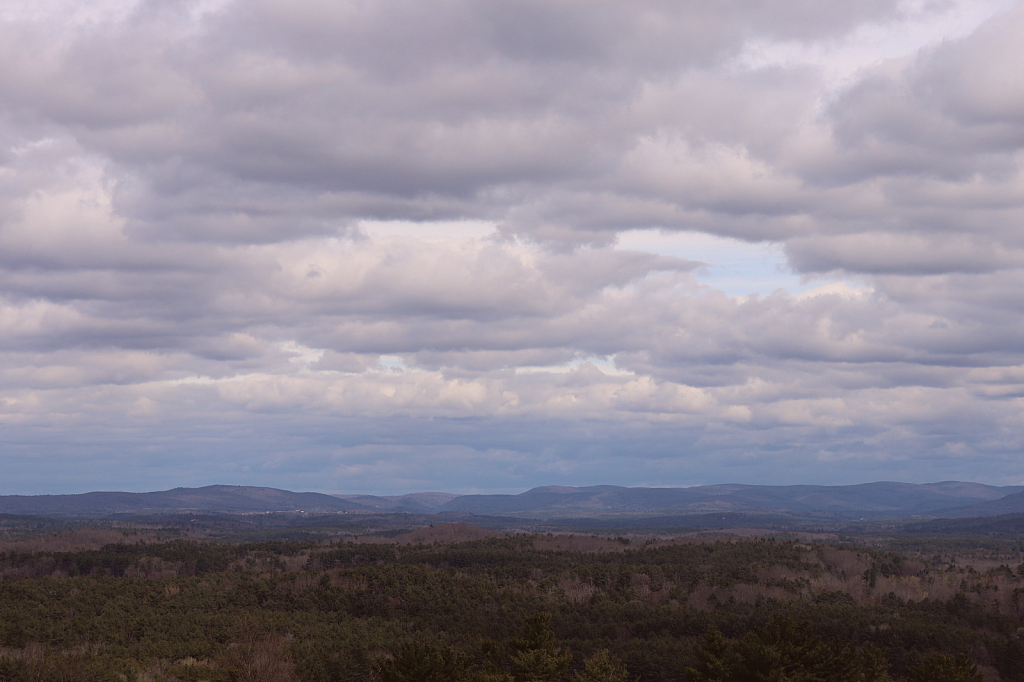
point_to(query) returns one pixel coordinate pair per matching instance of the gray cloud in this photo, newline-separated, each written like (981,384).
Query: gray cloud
(196,268)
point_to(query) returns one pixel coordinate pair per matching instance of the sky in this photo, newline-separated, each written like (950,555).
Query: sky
(476,246)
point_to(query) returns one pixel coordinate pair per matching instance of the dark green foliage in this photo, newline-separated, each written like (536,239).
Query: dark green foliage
(715,659)
(66,668)
(424,662)
(603,667)
(536,655)
(497,610)
(943,668)
(10,669)
(783,651)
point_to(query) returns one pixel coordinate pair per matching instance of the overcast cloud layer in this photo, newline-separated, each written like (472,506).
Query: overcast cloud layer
(392,246)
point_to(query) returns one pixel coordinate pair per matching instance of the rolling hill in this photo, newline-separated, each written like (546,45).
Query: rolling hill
(884,497)
(216,498)
(1010,504)
(946,499)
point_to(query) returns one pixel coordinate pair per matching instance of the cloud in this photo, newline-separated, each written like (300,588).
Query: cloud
(346,246)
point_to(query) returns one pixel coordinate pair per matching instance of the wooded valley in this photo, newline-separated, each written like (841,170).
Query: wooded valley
(117,605)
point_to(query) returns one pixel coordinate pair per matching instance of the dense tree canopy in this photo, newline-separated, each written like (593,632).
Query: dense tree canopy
(523,608)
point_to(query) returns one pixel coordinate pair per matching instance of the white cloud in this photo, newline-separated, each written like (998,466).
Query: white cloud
(632,242)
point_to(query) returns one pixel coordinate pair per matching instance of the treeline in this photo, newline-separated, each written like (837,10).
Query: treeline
(175,557)
(514,608)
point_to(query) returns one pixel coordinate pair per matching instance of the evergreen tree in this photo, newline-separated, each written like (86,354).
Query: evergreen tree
(784,651)
(603,667)
(943,668)
(423,662)
(537,656)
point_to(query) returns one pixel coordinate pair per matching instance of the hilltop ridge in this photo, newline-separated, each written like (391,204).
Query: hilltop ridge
(942,499)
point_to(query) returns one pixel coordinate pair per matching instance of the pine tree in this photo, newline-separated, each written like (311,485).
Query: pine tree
(603,667)
(943,668)
(537,656)
(423,662)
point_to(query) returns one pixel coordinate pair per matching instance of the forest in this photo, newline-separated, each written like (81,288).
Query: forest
(456,602)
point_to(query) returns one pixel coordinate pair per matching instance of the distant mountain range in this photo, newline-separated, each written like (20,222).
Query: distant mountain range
(902,499)
(949,499)
(219,498)
(1010,504)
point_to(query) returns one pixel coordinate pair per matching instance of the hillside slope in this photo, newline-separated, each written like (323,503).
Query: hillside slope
(947,499)
(218,498)
(882,497)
